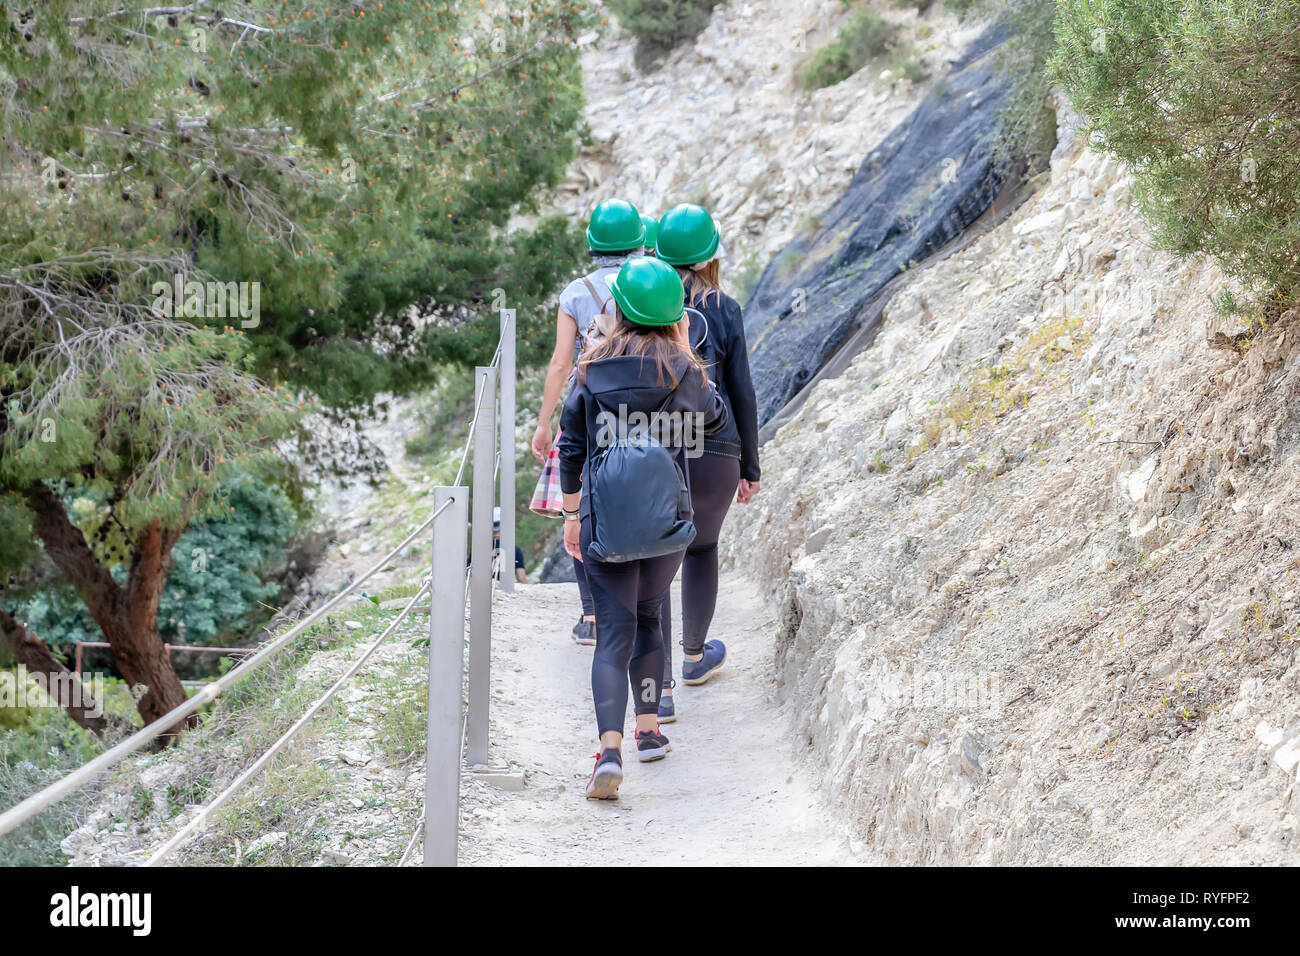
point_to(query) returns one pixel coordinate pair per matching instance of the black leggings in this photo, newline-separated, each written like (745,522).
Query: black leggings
(584,588)
(629,646)
(713,487)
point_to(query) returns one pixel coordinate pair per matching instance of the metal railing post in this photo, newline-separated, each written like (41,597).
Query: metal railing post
(446,671)
(480,586)
(507,491)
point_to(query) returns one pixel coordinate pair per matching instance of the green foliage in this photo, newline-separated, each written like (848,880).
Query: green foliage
(217,590)
(38,745)
(910,69)
(148,418)
(555,250)
(1027,131)
(439,442)
(1027,126)
(355,162)
(1200,98)
(746,277)
(443,418)
(660,25)
(958,7)
(328,190)
(866,37)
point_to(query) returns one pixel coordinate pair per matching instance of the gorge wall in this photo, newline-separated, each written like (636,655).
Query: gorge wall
(1034,555)
(1032,551)
(724,123)
(932,176)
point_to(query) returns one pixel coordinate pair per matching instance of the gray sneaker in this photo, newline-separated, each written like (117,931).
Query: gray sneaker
(667,709)
(651,745)
(606,776)
(584,632)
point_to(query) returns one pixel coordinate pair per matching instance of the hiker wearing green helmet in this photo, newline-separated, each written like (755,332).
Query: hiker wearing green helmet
(626,505)
(728,470)
(615,234)
(687,236)
(651,233)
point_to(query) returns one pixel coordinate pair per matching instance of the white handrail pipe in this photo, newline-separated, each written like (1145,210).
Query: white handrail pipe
(480,587)
(507,487)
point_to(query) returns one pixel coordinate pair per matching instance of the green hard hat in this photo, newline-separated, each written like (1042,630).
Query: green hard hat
(687,235)
(648,292)
(651,229)
(615,227)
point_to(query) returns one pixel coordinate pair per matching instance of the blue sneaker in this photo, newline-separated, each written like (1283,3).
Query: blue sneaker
(697,672)
(667,712)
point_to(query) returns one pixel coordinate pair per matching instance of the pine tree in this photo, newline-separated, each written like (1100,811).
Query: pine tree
(216,215)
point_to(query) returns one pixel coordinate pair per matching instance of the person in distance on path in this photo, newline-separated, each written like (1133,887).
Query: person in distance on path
(521,570)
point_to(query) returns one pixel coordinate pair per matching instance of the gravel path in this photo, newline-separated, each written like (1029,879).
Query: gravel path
(731,791)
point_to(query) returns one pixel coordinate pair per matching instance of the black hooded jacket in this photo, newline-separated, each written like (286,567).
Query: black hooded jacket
(720,342)
(630,383)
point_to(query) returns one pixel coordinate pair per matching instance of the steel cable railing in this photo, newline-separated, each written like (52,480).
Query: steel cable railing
(34,804)
(256,767)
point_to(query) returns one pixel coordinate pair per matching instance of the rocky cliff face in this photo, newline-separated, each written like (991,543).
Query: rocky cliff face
(1035,555)
(724,124)
(933,176)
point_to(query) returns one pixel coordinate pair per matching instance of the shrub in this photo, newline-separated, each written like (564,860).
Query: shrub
(746,277)
(910,69)
(864,38)
(660,25)
(1027,126)
(219,587)
(1201,98)
(38,746)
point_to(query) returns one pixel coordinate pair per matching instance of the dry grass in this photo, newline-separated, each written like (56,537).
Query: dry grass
(995,391)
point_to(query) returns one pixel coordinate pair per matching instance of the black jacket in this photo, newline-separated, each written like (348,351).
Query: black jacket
(633,383)
(721,345)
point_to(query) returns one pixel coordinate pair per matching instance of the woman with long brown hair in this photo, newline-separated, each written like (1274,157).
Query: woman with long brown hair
(644,371)
(728,470)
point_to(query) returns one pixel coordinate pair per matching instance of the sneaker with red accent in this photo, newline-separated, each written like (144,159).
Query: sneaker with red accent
(606,776)
(651,745)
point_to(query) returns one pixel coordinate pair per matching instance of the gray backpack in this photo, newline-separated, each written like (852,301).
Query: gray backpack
(603,323)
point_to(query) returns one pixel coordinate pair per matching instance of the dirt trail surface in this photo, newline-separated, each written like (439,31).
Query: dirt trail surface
(730,792)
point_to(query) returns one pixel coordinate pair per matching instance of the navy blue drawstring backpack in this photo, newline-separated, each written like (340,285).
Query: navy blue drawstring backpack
(639,498)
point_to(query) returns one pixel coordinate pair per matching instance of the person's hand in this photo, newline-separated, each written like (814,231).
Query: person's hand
(746,490)
(573,538)
(681,331)
(542,442)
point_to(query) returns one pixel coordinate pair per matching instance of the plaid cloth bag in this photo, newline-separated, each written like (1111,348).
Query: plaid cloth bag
(547,499)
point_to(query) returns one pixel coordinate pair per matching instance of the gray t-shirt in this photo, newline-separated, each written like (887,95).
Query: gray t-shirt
(577,300)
